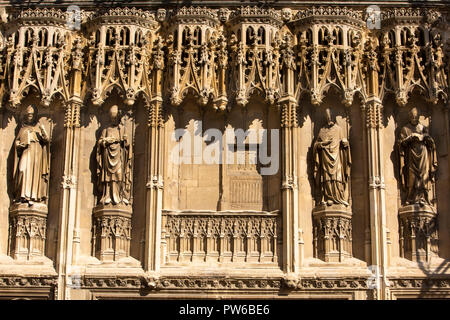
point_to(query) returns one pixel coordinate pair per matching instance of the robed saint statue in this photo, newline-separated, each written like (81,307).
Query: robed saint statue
(332,163)
(418,161)
(114,162)
(31,160)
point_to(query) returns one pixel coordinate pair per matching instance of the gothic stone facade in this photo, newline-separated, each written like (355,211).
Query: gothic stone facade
(93,205)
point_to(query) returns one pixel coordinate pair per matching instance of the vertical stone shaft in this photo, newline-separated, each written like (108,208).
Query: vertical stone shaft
(289,188)
(68,233)
(372,111)
(289,192)
(155,162)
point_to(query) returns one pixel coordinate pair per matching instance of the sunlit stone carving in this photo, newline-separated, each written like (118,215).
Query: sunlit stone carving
(332,163)
(28,213)
(332,214)
(418,165)
(112,216)
(31,159)
(114,162)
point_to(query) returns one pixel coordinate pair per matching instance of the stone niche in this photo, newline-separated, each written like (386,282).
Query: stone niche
(112,164)
(417,164)
(239,220)
(332,214)
(33,172)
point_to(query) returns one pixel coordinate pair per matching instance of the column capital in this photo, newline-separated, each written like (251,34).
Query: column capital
(288,107)
(73,106)
(373,109)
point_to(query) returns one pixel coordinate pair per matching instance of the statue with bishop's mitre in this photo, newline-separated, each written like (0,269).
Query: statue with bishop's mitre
(114,162)
(332,163)
(31,160)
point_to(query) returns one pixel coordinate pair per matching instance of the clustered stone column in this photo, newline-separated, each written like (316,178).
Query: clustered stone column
(28,213)
(418,165)
(332,214)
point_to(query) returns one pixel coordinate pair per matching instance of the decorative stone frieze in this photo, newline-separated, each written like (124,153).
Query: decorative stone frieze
(224,237)
(332,213)
(424,283)
(411,55)
(255,59)
(220,53)
(417,166)
(329,46)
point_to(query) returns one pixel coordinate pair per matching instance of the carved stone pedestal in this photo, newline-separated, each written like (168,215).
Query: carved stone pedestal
(27,231)
(332,232)
(112,232)
(418,232)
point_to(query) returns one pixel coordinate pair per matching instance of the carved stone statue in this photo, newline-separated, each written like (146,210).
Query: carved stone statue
(114,162)
(332,163)
(31,159)
(418,161)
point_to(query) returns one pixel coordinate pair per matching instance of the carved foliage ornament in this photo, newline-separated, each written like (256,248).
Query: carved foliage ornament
(37,60)
(217,53)
(120,59)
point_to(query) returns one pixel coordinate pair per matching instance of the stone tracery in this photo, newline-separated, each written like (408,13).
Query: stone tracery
(222,57)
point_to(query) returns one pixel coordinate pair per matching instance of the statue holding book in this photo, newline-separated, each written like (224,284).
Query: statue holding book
(418,161)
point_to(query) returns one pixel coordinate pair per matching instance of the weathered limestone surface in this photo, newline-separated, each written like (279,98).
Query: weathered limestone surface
(101,198)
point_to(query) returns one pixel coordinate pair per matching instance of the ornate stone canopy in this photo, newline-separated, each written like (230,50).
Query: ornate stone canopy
(166,67)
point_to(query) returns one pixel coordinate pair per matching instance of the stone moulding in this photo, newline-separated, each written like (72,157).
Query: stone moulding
(44,16)
(29,281)
(224,283)
(110,282)
(424,283)
(238,52)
